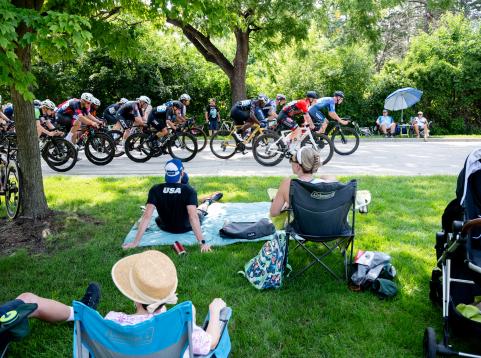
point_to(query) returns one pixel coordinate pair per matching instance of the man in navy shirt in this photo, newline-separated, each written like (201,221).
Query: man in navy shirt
(177,206)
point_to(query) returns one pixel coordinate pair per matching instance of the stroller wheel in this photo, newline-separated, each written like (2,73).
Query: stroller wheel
(435,287)
(429,343)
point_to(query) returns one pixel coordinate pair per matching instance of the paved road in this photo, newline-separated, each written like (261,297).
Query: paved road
(395,157)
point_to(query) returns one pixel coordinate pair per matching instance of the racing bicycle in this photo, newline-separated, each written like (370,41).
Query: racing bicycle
(344,139)
(10,177)
(142,146)
(269,148)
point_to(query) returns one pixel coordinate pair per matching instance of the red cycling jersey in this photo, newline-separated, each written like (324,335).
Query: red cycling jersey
(296,107)
(73,108)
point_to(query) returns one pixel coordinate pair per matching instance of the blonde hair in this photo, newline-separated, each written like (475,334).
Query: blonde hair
(309,159)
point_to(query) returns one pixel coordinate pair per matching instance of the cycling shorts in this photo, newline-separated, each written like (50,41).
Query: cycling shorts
(239,116)
(317,116)
(124,122)
(110,118)
(158,123)
(64,121)
(285,121)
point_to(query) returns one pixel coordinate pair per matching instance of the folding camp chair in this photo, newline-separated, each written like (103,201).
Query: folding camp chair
(165,335)
(321,215)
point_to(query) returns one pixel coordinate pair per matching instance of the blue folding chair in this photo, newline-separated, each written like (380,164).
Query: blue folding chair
(165,335)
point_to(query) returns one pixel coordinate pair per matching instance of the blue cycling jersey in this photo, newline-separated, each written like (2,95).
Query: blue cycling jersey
(325,102)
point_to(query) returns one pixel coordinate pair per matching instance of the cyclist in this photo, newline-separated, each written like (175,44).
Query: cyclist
(319,118)
(185,100)
(294,108)
(249,112)
(110,111)
(94,106)
(132,112)
(73,113)
(44,118)
(161,117)
(271,109)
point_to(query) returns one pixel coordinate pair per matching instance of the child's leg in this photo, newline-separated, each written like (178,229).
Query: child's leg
(48,310)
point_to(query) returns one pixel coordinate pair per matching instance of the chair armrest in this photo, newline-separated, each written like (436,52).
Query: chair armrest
(224,317)
(470,225)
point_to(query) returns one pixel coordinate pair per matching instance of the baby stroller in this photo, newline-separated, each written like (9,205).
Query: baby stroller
(457,279)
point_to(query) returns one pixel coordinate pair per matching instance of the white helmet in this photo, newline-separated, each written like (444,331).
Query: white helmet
(48,104)
(144,99)
(89,97)
(123,100)
(96,101)
(184,97)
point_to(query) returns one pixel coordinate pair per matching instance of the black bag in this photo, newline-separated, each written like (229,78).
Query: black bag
(247,230)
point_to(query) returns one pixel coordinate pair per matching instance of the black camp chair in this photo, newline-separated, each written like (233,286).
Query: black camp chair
(321,215)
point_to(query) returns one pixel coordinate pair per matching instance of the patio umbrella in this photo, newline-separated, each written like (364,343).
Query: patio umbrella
(402,98)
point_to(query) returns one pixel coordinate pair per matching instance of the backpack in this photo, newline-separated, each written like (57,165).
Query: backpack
(266,270)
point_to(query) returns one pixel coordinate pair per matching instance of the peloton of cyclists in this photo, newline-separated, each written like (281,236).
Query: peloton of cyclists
(164,116)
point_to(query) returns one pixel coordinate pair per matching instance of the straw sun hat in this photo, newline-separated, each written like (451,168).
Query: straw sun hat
(149,278)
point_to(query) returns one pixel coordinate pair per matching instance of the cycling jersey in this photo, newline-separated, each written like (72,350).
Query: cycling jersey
(325,102)
(130,110)
(243,111)
(269,108)
(180,105)
(109,113)
(159,115)
(295,107)
(72,108)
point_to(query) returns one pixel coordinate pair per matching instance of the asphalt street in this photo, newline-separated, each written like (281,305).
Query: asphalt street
(395,157)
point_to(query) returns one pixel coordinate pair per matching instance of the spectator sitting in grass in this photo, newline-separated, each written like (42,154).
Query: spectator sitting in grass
(176,204)
(133,277)
(386,124)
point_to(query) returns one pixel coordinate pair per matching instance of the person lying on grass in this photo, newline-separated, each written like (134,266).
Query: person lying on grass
(149,279)
(304,163)
(176,203)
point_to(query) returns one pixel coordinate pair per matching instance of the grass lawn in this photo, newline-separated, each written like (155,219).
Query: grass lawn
(314,316)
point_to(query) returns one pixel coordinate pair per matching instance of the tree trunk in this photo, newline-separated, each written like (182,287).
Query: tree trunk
(33,201)
(238,77)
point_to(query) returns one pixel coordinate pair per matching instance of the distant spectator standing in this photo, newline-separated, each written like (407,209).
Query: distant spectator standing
(421,123)
(385,123)
(212,116)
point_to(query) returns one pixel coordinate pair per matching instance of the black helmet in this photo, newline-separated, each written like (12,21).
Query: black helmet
(339,94)
(280,97)
(312,94)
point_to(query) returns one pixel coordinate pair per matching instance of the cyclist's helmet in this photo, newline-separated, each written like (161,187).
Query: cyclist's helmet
(302,105)
(37,103)
(312,94)
(280,97)
(177,104)
(96,101)
(48,104)
(184,97)
(262,97)
(89,97)
(144,99)
(339,94)
(123,100)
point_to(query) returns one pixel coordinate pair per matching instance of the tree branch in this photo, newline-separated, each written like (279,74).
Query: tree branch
(203,44)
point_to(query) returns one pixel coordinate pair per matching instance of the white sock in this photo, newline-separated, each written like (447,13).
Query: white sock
(70,317)
(69,137)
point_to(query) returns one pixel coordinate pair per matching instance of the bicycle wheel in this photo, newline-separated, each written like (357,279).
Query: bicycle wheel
(59,154)
(200,136)
(12,190)
(182,146)
(117,137)
(223,144)
(100,149)
(345,140)
(322,144)
(137,147)
(268,149)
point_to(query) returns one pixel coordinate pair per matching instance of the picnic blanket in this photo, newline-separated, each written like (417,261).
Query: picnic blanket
(218,215)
